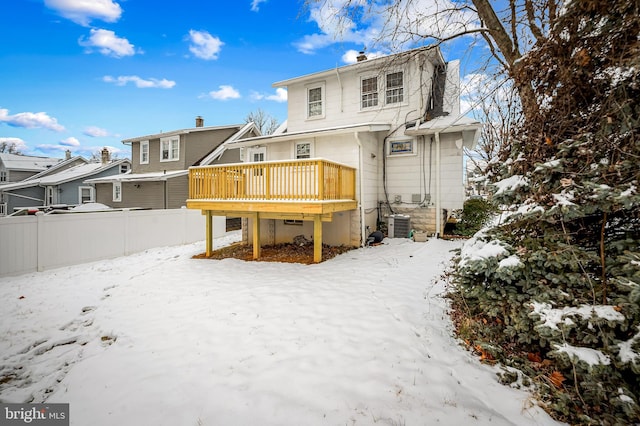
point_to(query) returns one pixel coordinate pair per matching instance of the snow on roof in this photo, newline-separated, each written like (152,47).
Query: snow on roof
(446,124)
(139,177)
(77,172)
(90,207)
(27,162)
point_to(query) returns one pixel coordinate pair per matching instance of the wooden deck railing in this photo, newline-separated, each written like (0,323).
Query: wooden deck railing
(294,180)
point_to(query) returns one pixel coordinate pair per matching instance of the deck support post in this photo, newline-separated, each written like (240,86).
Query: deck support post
(209,231)
(317,238)
(256,236)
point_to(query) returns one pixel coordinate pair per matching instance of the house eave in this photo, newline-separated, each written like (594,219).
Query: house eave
(179,132)
(362,127)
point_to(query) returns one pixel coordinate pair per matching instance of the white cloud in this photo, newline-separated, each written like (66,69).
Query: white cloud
(30,120)
(204,45)
(394,27)
(70,141)
(139,82)
(350,56)
(255,5)
(108,44)
(224,93)
(279,96)
(95,132)
(84,11)
(19,144)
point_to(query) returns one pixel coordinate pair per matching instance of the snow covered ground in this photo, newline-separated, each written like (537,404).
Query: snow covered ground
(161,338)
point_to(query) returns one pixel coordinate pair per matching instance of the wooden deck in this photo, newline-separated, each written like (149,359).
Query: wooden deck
(310,189)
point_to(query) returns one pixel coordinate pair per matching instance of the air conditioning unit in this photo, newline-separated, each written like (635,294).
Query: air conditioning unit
(399,226)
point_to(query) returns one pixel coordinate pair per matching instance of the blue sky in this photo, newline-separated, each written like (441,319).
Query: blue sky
(80,75)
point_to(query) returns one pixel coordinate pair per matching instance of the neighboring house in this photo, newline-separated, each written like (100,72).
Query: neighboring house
(160,163)
(15,168)
(364,143)
(63,184)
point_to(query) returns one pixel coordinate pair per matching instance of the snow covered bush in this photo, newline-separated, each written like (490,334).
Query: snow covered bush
(555,289)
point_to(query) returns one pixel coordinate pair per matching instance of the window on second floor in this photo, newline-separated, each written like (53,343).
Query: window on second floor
(3,176)
(144,152)
(170,148)
(392,88)
(315,106)
(369,92)
(395,88)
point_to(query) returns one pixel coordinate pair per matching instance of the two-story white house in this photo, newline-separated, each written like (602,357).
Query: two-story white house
(363,143)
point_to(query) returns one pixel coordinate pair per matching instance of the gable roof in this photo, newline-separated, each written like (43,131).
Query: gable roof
(27,162)
(180,132)
(435,55)
(222,147)
(63,176)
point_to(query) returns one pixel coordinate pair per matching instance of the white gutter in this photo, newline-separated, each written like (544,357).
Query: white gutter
(361,190)
(438,187)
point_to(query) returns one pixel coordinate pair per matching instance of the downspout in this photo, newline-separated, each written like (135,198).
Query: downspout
(438,187)
(361,190)
(340,84)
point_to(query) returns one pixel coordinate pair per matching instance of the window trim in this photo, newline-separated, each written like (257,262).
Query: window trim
(117,192)
(172,140)
(295,149)
(322,101)
(92,194)
(377,92)
(401,87)
(144,144)
(401,147)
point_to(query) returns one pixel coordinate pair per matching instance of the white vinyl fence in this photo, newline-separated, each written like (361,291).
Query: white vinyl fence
(36,243)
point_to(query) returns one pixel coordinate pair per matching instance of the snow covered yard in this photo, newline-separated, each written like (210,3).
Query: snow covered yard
(161,338)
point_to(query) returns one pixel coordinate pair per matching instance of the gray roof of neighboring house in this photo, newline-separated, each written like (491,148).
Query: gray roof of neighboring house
(66,175)
(27,162)
(180,132)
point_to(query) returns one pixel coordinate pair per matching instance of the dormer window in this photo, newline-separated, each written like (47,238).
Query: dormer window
(315,104)
(369,92)
(395,88)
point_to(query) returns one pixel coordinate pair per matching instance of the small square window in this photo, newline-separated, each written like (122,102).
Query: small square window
(303,150)
(401,147)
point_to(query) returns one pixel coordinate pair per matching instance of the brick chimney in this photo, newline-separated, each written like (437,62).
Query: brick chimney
(105,156)
(67,155)
(361,56)
(199,121)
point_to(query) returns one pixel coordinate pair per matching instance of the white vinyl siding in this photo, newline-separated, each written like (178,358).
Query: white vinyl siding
(144,152)
(170,148)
